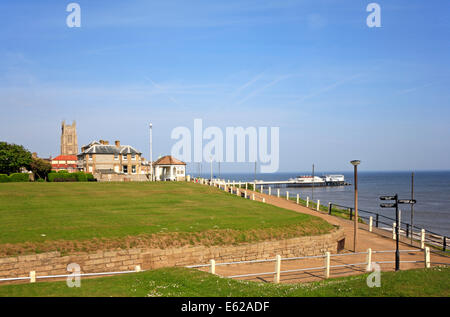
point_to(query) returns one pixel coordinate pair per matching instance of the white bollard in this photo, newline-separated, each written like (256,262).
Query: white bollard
(318,204)
(264,200)
(245,194)
(276,278)
(212,267)
(137,268)
(287,195)
(278,192)
(307,201)
(298,199)
(327,264)
(370,223)
(270,190)
(427,257)
(253,197)
(393,231)
(33,277)
(369,260)
(422,239)
(237,192)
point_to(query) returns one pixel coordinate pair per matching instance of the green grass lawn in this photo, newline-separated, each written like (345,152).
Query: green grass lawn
(181,282)
(37,217)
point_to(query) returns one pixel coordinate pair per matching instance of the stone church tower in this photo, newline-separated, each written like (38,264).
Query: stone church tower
(69,140)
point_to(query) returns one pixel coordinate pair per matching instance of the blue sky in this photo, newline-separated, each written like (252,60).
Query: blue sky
(337,89)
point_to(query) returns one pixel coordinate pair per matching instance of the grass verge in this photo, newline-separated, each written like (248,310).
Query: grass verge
(182,282)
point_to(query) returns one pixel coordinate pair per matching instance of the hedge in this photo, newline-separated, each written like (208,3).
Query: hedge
(63,176)
(15,177)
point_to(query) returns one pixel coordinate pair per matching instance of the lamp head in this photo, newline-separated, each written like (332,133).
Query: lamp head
(355,162)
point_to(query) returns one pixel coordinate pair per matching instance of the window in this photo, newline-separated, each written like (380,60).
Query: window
(124,157)
(116,157)
(125,169)
(90,157)
(133,169)
(133,157)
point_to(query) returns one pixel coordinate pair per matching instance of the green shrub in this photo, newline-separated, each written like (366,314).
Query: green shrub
(81,176)
(19,177)
(61,176)
(4,178)
(64,176)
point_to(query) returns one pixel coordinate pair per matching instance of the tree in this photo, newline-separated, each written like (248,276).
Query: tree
(13,157)
(40,168)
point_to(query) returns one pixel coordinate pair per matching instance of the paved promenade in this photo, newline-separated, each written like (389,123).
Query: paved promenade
(378,240)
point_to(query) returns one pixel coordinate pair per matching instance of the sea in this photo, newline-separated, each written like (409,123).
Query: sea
(431,191)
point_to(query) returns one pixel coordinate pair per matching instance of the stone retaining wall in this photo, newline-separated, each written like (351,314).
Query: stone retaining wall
(52,263)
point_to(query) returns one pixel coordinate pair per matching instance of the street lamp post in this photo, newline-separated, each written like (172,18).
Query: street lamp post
(355,164)
(151,153)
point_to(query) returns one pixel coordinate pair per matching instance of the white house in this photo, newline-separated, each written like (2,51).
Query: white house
(168,168)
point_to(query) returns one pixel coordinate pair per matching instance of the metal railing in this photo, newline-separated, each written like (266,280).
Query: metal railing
(387,223)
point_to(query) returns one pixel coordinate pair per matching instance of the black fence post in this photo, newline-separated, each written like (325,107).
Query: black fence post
(351,213)
(444,244)
(330,205)
(376,222)
(407,230)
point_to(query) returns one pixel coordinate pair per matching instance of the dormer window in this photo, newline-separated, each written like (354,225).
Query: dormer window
(133,157)
(116,157)
(124,157)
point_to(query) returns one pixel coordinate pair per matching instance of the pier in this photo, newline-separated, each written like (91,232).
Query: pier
(294,183)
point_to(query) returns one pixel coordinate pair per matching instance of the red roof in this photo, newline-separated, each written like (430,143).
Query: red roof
(168,160)
(65,158)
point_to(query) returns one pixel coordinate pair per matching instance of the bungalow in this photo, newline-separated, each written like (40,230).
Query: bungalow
(168,168)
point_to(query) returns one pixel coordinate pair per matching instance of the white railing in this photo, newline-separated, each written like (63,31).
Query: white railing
(276,273)
(32,276)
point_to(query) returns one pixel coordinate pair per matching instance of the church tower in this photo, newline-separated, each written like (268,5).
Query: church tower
(69,141)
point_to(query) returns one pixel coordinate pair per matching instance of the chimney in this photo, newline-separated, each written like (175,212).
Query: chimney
(106,142)
(117,143)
